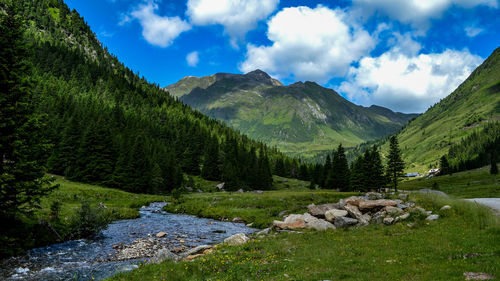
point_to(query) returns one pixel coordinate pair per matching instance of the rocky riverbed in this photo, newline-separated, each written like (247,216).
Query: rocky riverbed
(121,246)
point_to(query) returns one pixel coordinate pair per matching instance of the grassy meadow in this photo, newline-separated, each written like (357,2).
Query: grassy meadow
(476,183)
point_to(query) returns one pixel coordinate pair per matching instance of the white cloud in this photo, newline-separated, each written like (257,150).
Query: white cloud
(408,82)
(157,30)
(309,44)
(472,31)
(416,12)
(192,59)
(237,16)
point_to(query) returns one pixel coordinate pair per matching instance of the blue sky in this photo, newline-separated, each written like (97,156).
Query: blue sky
(402,54)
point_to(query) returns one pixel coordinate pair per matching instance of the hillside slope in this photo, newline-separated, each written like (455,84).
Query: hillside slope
(474,103)
(301,119)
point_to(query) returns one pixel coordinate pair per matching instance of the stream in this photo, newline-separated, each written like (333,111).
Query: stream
(85,259)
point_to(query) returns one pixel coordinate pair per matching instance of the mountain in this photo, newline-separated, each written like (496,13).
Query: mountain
(300,119)
(474,104)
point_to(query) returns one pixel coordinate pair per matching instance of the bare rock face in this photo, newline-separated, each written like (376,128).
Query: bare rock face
(372,204)
(332,214)
(320,210)
(237,239)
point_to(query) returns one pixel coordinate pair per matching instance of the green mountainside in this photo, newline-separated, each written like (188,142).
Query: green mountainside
(302,119)
(475,103)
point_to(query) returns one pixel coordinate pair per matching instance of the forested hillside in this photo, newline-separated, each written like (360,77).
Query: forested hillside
(109,126)
(301,119)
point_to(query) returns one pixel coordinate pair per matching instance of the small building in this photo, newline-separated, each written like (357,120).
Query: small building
(434,171)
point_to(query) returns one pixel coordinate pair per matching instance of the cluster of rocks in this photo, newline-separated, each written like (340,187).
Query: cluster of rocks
(355,211)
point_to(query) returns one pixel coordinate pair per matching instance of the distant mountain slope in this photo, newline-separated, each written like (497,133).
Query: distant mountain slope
(301,119)
(475,102)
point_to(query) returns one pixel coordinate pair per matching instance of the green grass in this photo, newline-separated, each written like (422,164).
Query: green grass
(476,183)
(259,209)
(425,251)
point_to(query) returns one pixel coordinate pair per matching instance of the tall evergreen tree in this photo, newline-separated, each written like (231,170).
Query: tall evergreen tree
(493,165)
(444,166)
(327,171)
(395,164)
(22,146)
(340,170)
(210,165)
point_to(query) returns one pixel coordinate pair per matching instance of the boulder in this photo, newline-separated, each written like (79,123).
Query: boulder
(403,206)
(238,220)
(432,217)
(354,200)
(374,195)
(393,210)
(402,217)
(355,213)
(237,239)
(330,215)
(220,186)
(317,224)
(341,204)
(240,190)
(162,255)
(160,234)
(342,222)
(371,204)
(264,231)
(379,216)
(320,210)
(445,207)
(388,220)
(478,276)
(291,222)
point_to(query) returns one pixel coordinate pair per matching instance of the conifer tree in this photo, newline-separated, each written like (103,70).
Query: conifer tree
(210,165)
(22,146)
(395,164)
(340,170)
(493,165)
(327,170)
(444,166)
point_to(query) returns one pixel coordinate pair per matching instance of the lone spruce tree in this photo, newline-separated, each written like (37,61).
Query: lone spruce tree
(494,167)
(395,165)
(22,146)
(340,170)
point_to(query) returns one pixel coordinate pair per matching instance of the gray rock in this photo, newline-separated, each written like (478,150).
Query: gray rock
(237,239)
(478,276)
(342,222)
(240,190)
(402,217)
(220,186)
(403,196)
(393,210)
(195,250)
(330,215)
(356,213)
(388,220)
(238,220)
(264,231)
(320,210)
(282,213)
(258,191)
(378,217)
(199,190)
(188,188)
(403,206)
(162,255)
(317,224)
(374,195)
(432,217)
(445,207)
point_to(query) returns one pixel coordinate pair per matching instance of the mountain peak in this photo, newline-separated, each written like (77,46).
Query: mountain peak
(259,75)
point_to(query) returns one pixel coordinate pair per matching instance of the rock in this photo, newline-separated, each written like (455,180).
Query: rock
(238,220)
(388,220)
(403,196)
(341,204)
(162,255)
(320,210)
(432,217)
(354,200)
(240,190)
(102,206)
(403,206)
(160,234)
(393,210)
(402,217)
(355,213)
(379,216)
(371,204)
(317,224)
(188,188)
(445,207)
(330,215)
(181,241)
(291,222)
(192,257)
(199,190)
(258,191)
(282,213)
(208,251)
(342,222)
(264,231)
(419,210)
(237,239)
(249,224)
(478,276)
(374,195)
(196,250)
(220,186)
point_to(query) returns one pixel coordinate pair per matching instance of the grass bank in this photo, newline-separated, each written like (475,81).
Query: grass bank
(464,239)
(476,183)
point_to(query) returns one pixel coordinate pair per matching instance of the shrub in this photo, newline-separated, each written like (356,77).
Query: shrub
(88,220)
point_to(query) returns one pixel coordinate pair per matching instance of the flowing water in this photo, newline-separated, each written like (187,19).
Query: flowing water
(85,259)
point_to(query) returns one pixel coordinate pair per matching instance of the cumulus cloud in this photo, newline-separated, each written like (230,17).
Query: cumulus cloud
(417,12)
(192,59)
(309,44)
(408,82)
(157,30)
(237,16)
